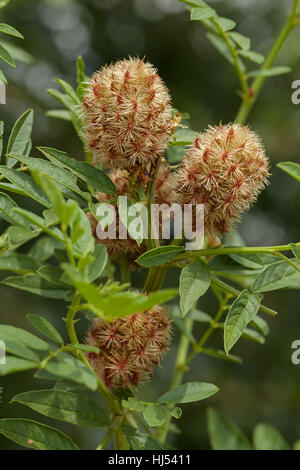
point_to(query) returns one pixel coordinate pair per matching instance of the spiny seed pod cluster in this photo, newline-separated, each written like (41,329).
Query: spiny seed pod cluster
(225,170)
(128,114)
(130,347)
(164,194)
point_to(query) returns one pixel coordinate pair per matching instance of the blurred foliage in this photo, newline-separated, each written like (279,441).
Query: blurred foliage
(264,388)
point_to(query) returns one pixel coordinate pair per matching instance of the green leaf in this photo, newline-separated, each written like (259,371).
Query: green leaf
(25,431)
(240,314)
(6,29)
(6,56)
(200,316)
(55,275)
(225,23)
(45,328)
(175,154)
(17,236)
(2,79)
(223,434)
(194,3)
(84,348)
(18,349)
(189,392)
(295,250)
(58,174)
(128,214)
(226,265)
(183,136)
(241,40)
(15,364)
(26,184)
(7,206)
(1,122)
(180,324)
(201,13)
(80,228)
(64,99)
(253,56)
(218,354)
(133,405)
(54,195)
(291,168)
(220,45)
(194,314)
(254,336)
(44,248)
(10,261)
(68,89)
(18,53)
(176,412)
(131,302)
(74,370)
(63,114)
(194,282)
(11,333)
(41,224)
(20,135)
(269,72)
(86,172)
(154,414)
(276,276)
(261,325)
(64,385)
(159,256)
(64,406)
(36,285)
(94,270)
(266,437)
(141,441)
(80,68)
(255,260)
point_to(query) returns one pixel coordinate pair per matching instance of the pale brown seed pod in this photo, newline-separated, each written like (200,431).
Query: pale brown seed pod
(127,114)
(225,169)
(130,347)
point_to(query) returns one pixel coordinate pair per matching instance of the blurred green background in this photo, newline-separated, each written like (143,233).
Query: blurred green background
(266,386)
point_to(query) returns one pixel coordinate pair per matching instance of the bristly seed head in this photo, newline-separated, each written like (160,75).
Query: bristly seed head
(225,170)
(130,347)
(127,114)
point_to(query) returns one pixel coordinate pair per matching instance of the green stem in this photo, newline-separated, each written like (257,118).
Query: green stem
(125,271)
(241,75)
(248,103)
(109,271)
(73,309)
(207,334)
(121,442)
(289,261)
(231,290)
(234,250)
(183,360)
(155,279)
(105,441)
(152,242)
(180,369)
